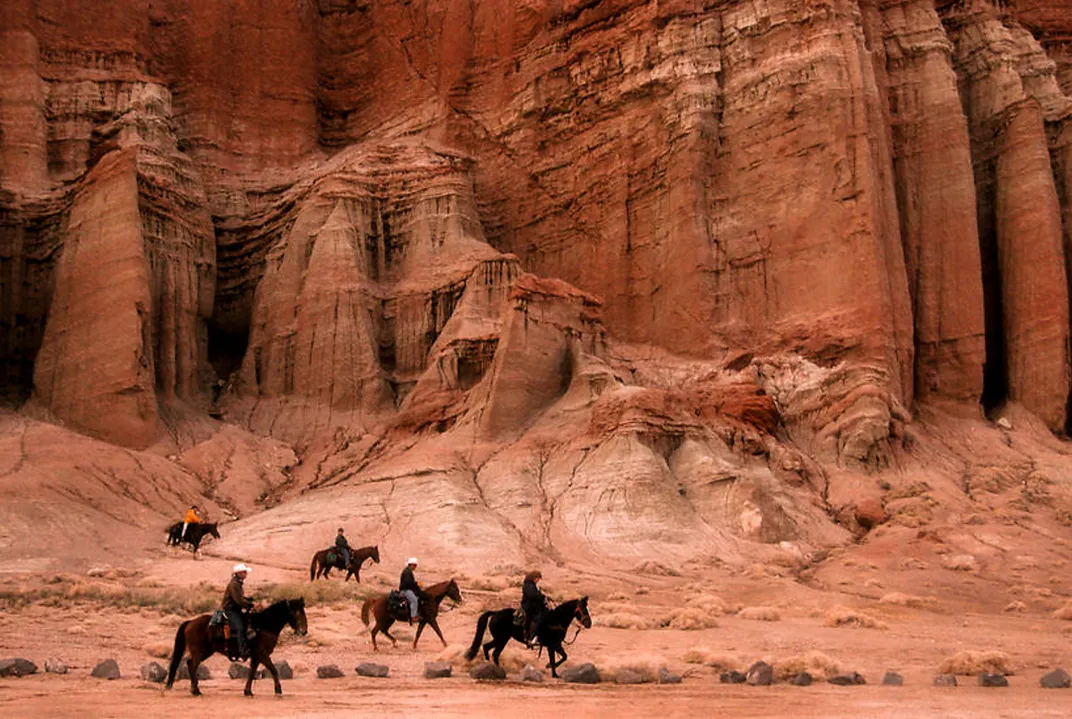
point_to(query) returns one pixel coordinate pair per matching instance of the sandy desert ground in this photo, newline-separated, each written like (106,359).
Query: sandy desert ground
(132,615)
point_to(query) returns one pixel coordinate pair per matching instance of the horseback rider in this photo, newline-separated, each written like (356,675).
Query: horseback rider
(191,517)
(234,606)
(342,547)
(408,587)
(533,604)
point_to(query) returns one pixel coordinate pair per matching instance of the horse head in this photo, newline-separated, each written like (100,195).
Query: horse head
(580,613)
(297,620)
(453,592)
(211,529)
(375,556)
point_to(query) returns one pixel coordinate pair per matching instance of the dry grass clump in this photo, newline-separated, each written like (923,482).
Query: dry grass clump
(1015,606)
(647,666)
(622,620)
(195,599)
(815,663)
(971,661)
(760,614)
(717,660)
(709,603)
(315,592)
(1064,611)
(656,569)
(492,583)
(909,600)
(160,650)
(689,618)
(839,616)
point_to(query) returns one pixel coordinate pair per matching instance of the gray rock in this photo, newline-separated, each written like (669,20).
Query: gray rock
(327,671)
(628,676)
(1057,679)
(732,677)
(238,670)
(801,680)
(437,670)
(848,680)
(55,666)
(992,680)
(17,667)
(760,674)
(108,669)
(584,674)
(892,679)
(487,670)
(282,666)
(153,672)
(667,677)
(531,674)
(368,669)
(183,674)
(945,680)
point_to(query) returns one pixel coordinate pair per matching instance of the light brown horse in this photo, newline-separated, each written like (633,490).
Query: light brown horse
(427,611)
(203,641)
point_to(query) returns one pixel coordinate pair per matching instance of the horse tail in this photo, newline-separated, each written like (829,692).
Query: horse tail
(176,655)
(312,567)
(365,609)
(481,625)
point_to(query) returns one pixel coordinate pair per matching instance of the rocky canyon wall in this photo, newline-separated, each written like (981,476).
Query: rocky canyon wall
(759,229)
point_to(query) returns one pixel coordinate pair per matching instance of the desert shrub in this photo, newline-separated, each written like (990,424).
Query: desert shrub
(909,600)
(814,662)
(839,616)
(971,661)
(760,614)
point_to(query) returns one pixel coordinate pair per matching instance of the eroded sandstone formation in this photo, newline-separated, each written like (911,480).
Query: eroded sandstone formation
(628,265)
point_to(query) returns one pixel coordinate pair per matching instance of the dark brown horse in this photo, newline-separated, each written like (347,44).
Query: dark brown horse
(202,641)
(320,565)
(428,611)
(551,633)
(194,534)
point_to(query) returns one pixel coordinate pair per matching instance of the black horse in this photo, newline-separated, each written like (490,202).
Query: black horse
(551,633)
(194,534)
(203,640)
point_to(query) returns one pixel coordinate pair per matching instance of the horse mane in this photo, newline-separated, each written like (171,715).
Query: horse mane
(439,589)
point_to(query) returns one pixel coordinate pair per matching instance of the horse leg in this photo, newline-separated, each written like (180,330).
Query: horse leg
(375,629)
(267,661)
(420,628)
(253,662)
(191,665)
(500,645)
(435,626)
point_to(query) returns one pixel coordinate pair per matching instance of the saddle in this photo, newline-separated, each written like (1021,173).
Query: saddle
(396,603)
(520,617)
(331,559)
(217,618)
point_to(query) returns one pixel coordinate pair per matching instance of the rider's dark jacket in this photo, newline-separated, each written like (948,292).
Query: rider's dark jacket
(340,542)
(532,599)
(408,581)
(234,597)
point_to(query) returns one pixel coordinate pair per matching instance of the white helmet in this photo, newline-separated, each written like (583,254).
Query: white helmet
(240,568)
(412,560)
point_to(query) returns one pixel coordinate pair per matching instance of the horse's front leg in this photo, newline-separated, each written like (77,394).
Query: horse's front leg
(191,666)
(435,626)
(420,628)
(253,662)
(267,660)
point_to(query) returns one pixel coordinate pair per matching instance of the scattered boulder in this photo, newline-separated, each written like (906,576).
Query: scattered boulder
(1057,679)
(437,670)
(369,669)
(760,674)
(801,680)
(328,671)
(665,676)
(237,670)
(628,676)
(55,666)
(945,680)
(531,674)
(487,670)
(992,680)
(108,669)
(183,674)
(17,667)
(892,679)
(732,677)
(870,513)
(282,666)
(153,672)
(584,674)
(848,679)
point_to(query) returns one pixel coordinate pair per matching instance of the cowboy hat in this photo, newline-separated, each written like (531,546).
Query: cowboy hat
(240,568)
(412,560)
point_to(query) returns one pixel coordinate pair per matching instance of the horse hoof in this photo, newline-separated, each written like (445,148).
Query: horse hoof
(248,693)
